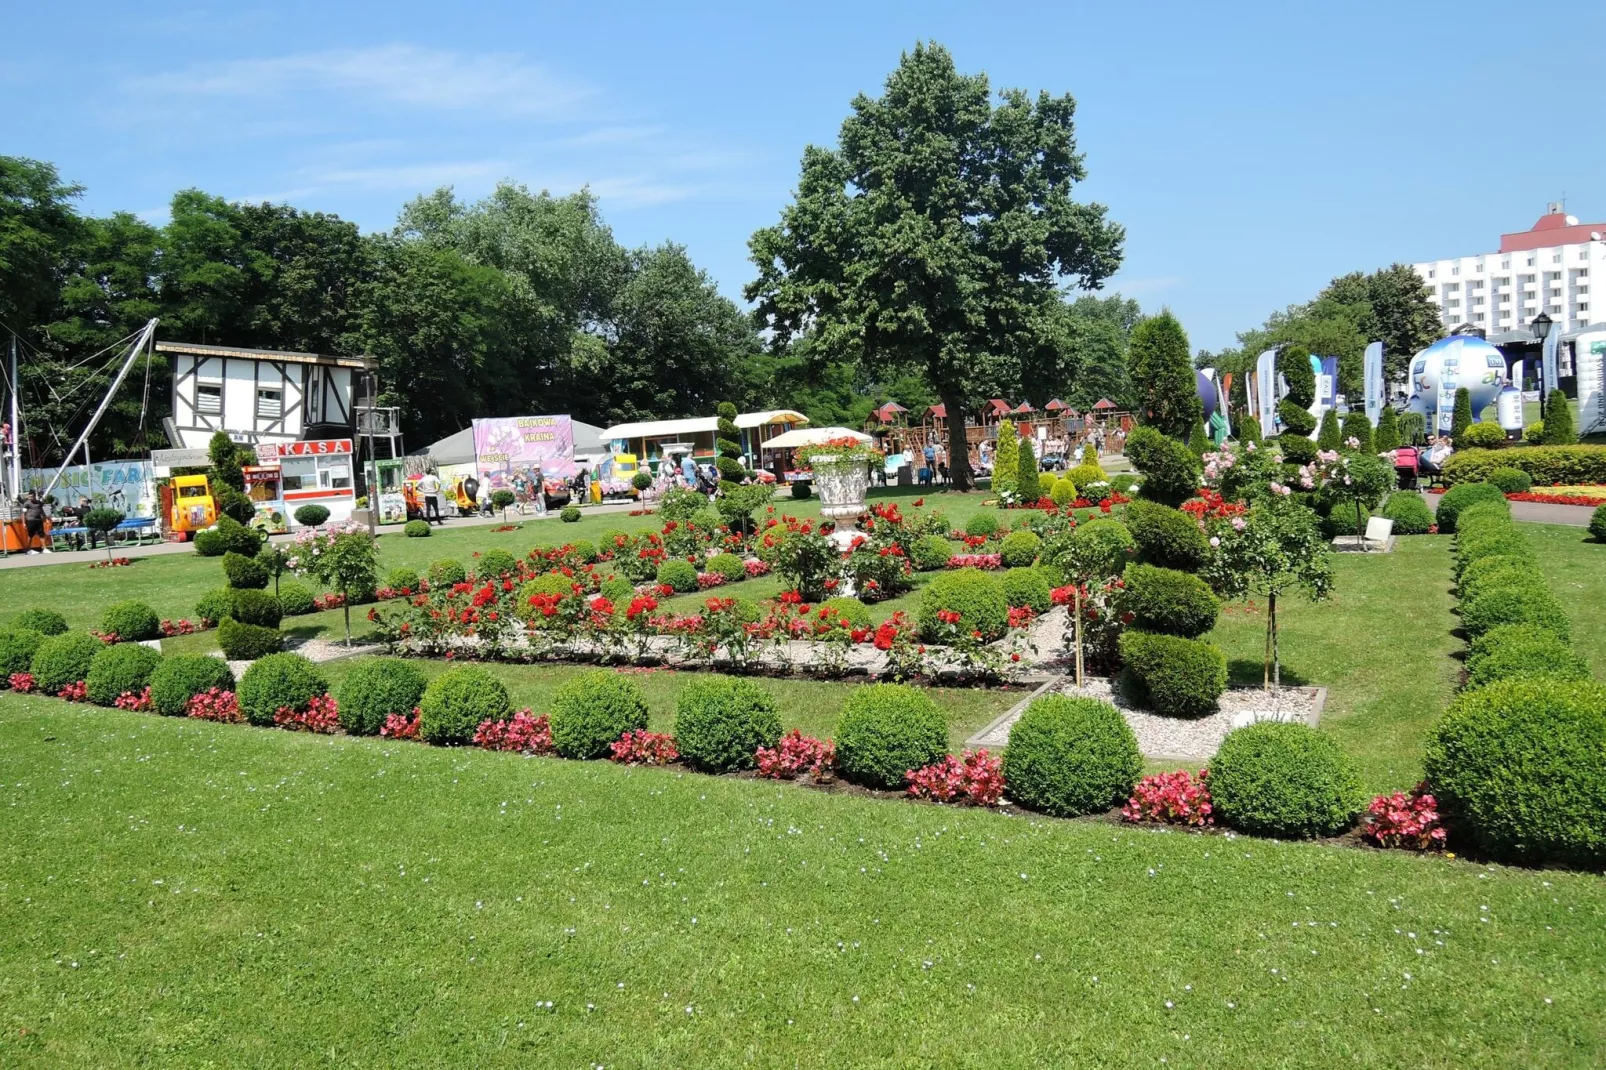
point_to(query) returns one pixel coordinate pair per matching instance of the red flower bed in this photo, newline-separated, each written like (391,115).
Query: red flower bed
(214,704)
(321,716)
(130,701)
(986,561)
(1405,819)
(796,754)
(1176,798)
(182,626)
(522,734)
(400,725)
(77,691)
(21,681)
(977,776)
(642,747)
(1555,499)
(116,562)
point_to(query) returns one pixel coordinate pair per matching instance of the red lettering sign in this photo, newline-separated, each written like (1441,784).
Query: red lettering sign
(319,447)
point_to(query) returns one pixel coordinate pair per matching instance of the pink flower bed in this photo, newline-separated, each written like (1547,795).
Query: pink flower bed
(796,754)
(1174,798)
(1405,819)
(977,776)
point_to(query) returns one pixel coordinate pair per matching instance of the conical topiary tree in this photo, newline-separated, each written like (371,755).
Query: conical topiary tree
(1387,435)
(1329,437)
(1160,368)
(1200,441)
(1358,427)
(1006,461)
(1461,418)
(1249,430)
(1026,484)
(1559,427)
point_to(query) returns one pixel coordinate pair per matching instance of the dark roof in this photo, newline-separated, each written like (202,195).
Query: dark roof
(280,356)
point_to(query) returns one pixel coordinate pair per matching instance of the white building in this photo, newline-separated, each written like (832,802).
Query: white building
(260,396)
(1544,269)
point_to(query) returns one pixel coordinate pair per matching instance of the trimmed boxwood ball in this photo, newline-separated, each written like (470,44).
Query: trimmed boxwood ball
(398,579)
(131,621)
(43,621)
(456,701)
(1500,570)
(1409,512)
(728,565)
(1508,543)
(930,552)
(887,730)
(1459,497)
(1165,536)
(310,516)
(983,523)
(240,641)
(1597,524)
(1528,604)
(851,610)
(1510,480)
(1483,518)
(120,668)
(1520,653)
(63,659)
(17,648)
(681,575)
(244,573)
(569,514)
(446,572)
(496,562)
(1169,601)
(977,597)
(416,529)
(1519,770)
(180,677)
(255,607)
(548,583)
(583,551)
(1027,587)
(210,543)
(1276,778)
(1173,676)
(373,690)
(801,492)
(1019,549)
(295,599)
(618,590)
(721,720)
(592,710)
(215,605)
(1071,755)
(277,681)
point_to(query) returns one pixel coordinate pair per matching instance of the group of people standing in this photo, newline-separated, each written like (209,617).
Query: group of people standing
(34,512)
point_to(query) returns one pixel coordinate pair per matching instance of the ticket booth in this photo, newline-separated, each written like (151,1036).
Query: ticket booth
(317,472)
(263,485)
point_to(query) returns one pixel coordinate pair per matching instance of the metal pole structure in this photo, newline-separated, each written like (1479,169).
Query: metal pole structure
(16,424)
(105,402)
(373,467)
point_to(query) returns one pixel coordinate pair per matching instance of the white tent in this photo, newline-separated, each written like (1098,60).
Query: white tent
(810,436)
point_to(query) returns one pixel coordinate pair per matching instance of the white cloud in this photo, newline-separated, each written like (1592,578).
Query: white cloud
(394,74)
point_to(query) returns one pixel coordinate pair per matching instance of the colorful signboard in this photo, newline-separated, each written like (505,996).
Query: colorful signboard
(1372,376)
(512,445)
(127,486)
(1589,361)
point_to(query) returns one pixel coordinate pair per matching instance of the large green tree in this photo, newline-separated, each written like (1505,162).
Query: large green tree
(935,235)
(1162,376)
(38,223)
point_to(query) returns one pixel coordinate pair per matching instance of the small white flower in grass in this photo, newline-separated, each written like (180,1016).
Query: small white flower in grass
(1168,1004)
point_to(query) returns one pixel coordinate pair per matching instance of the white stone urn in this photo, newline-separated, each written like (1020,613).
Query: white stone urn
(841,486)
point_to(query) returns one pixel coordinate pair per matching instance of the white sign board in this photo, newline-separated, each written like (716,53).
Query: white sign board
(1589,360)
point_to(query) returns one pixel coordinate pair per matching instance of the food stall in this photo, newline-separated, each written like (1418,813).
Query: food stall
(262,487)
(314,472)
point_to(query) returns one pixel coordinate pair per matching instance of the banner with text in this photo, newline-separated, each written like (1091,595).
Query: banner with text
(1266,391)
(127,486)
(1589,361)
(1372,372)
(507,446)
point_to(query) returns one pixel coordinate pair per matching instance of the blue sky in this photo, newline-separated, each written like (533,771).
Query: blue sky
(1252,151)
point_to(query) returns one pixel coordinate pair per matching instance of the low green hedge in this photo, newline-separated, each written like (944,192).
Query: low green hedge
(1173,676)
(1409,512)
(886,731)
(126,667)
(592,710)
(373,690)
(63,659)
(720,721)
(1459,497)
(1275,778)
(180,677)
(1168,601)
(278,681)
(977,597)
(1028,588)
(1071,755)
(1519,770)
(1516,652)
(1545,465)
(456,701)
(131,621)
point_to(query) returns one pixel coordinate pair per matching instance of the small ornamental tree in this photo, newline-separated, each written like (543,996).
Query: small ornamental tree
(1358,481)
(1559,427)
(1160,368)
(727,442)
(1249,431)
(1293,364)
(1277,547)
(1006,460)
(1387,436)
(344,559)
(103,522)
(1088,554)
(1329,437)
(1026,485)
(1461,417)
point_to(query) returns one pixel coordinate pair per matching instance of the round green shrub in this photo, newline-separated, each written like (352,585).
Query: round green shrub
(681,575)
(618,590)
(1296,448)
(728,565)
(977,597)
(592,710)
(131,621)
(180,677)
(1027,587)
(1409,512)
(240,641)
(1494,542)
(416,529)
(295,599)
(497,562)
(1511,480)
(446,572)
(1597,524)
(1083,476)
(851,610)
(801,492)
(373,690)
(886,731)
(17,648)
(116,669)
(210,543)
(1483,517)
(721,720)
(215,605)
(1500,572)
(397,579)
(1523,654)
(1165,536)
(641,480)
(1529,605)
(456,701)
(1277,778)
(1341,521)
(983,523)
(1071,755)
(1062,492)
(569,514)
(930,552)
(1166,600)
(1173,676)
(310,516)
(1459,497)
(1519,770)
(256,607)
(43,621)
(278,681)
(1019,549)
(244,573)
(63,659)
(1482,436)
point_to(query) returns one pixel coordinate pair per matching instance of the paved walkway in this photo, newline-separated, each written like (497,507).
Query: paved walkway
(1538,512)
(159,549)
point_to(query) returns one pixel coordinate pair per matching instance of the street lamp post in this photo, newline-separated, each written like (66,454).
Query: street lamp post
(1541,330)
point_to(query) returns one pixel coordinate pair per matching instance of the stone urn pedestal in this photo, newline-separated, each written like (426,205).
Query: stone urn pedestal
(841,487)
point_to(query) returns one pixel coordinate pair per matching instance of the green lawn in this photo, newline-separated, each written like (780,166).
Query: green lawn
(1576,569)
(177,893)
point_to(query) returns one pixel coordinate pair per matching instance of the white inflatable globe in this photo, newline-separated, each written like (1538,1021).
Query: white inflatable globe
(1461,360)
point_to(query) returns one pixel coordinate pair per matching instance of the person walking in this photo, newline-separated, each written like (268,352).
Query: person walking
(33,521)
(538,485)
(429,486)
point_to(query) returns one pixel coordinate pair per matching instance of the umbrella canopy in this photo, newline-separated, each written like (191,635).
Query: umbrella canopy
(1056,404)
(811,436)
(1104,403)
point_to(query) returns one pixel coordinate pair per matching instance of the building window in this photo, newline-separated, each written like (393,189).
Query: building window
(1477,317)
(209,399)
(270,402)
(1556,259)
(1505,263)
(1530,261)
(1583,306)
(1584,289)
(1456,270)
(1583,273)
(1432,273)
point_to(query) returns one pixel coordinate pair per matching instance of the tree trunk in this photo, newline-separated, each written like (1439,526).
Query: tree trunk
(959,474)
(346,608)
(1360,536)
(1078,589)
(1276,663)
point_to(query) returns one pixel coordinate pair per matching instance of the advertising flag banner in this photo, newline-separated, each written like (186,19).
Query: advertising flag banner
(1372,373)
(1589,360)
(1552,343)
(1266,391)
(505,447)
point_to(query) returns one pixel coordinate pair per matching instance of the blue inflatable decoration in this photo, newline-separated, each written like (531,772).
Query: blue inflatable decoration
(1461,360)
(1207,392)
